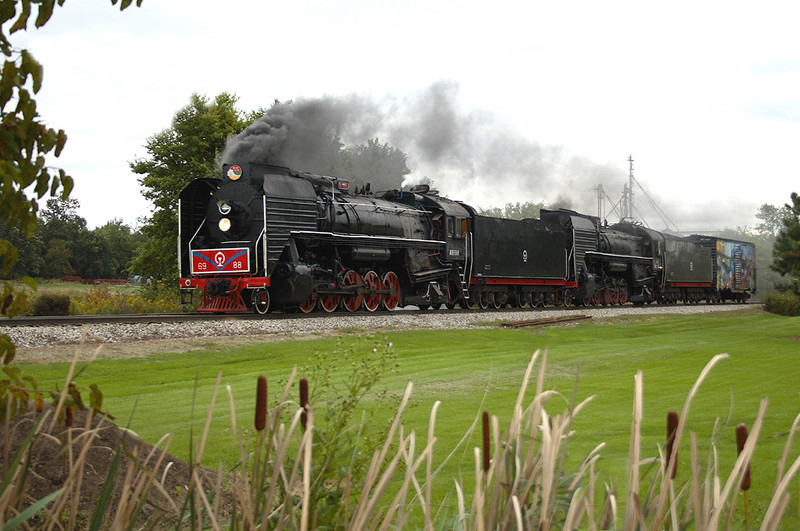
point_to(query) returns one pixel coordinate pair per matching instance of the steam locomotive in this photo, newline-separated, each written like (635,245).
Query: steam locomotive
(267,237)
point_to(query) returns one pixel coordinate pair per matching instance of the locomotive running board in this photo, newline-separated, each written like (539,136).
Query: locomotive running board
(391,242)
(619,257)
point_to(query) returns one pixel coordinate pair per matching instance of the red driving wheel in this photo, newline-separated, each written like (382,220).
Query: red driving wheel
(353,302)
(391,284)
(372,300)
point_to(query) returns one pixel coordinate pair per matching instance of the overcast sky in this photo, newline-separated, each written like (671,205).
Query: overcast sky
(552,97)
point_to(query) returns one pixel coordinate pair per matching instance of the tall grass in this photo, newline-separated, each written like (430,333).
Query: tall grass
(288,476)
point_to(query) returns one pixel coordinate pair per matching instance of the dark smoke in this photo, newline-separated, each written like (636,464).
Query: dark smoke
(304,134)
(469,156)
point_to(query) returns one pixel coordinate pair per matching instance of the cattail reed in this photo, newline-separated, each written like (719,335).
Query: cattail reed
(486,445)
(304,401)
(741,439)
(39,402)
(672,428)
(261,403)
(69,416)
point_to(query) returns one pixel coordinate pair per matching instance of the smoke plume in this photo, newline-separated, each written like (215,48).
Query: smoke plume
(469,156)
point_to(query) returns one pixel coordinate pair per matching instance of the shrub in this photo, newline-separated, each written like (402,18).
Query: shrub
(50,304)
(103,300)
(783,303)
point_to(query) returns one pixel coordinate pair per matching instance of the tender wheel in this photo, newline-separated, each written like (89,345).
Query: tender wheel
(391,284)
(521,299)
(353,302)
(567,297)
(372,300)
(329,303)
(261,301)
(496,301)
(309,305)
(485,300)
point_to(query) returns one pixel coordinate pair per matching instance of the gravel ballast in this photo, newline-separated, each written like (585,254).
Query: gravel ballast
(57,343)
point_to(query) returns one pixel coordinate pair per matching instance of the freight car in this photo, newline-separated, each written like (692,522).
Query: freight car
(265,237)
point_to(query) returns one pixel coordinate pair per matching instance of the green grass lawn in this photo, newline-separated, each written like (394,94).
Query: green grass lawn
(472,370)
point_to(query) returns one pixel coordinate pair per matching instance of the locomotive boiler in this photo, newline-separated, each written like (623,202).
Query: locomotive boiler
(266,236)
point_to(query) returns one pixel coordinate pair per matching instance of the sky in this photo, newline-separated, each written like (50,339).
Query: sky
(522,100)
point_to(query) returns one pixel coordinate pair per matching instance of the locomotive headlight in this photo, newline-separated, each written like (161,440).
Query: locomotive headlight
(224,224)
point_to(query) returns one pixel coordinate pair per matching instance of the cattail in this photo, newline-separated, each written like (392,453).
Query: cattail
(69,416)
(741,438)
(39,401)
(486,446)
(672,428)
(304,401)
(261,403)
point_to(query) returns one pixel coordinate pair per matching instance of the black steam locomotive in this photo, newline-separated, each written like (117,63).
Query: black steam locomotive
(266,237)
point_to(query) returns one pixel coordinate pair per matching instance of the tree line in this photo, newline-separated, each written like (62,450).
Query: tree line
(62,245)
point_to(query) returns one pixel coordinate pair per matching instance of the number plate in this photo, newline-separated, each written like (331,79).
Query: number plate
(212,261)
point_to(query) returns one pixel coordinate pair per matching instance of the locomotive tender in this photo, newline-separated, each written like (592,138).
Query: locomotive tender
(266,237)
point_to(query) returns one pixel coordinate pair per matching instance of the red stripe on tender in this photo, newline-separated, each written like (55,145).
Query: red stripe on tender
(689,284)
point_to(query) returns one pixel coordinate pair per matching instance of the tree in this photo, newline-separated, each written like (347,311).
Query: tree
(514,210)
(57,259)
(188,150)
(771,219)
(120,243)
(63,234)
(786,253)
(380,165)
(29,260)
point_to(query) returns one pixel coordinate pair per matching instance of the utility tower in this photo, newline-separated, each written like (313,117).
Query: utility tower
(627,193)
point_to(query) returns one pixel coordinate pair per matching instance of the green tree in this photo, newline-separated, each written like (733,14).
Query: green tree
(119,242)
(771,219)
(786,253)
(526,210)
(30,258)
(62,228)
(58,260)
(188,150)
(380,165)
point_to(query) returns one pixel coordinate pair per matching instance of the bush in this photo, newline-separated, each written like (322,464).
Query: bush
(101,300)
(783,303)
(50,304)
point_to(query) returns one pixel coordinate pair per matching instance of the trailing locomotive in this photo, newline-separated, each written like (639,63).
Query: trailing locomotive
(265,237)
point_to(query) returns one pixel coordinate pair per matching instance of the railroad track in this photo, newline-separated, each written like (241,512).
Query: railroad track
(79,320)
